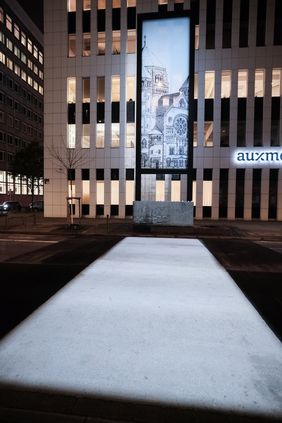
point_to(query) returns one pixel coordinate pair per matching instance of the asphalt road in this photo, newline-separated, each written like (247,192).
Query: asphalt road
(33,268)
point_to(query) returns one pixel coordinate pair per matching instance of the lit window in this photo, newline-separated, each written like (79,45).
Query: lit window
(9,64)
(16,31)
(115,3)
(2,37)
(129,192)
(259,83)
(131,3)
(160,190)
(86,90)
(86,45)
(40,89)
(1,15)
(35,69)
(242,83)
(29,45)
(85,141)
(86,4)
(72,46)
(116,42)
(130,135)
(175,190)
(101,43)
(9,23)
(35,52)
(85,192)
(23,57)
(100,89)
(115,88)
(100,135)
(23,75)
(225,84)
(9,44)
(131,41)
(29,64)
(71,5)
(35,85)
(23,38)
(209,84)
(17,52)
(195,134)
(196,85)
(17,70)
(162,1)
(71,136)
(71,90)
(276,83)
(208,134)
(30,81)
(115,135)
(40,74)
(100,192)
(101,4)
(207,193)
(130,88)
(41,57)
(197,37)
(114,192)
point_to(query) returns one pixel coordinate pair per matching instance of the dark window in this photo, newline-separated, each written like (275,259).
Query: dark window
(115,112)
(196,10)
(100,174)
(256,193)
(275,121)
(101,112)
(175,177)
(129,174)
(71,113)
(261,22)
(101,20)
(162,8)
(72,22)
(131,17)
(85,113)
(225,122)
(178,7)
(116,18)
(160,177)
(241,122)
(227,24)
(85,209)
(209,109)
(273,193)
(86,17)
(258,120)
(244,23)
(85,174)
(240,191)
(71,174)
(277,39)
(210,19)
(99,210)
(130,111)
(114,210)
(128,210)
(223,193)
(114,174)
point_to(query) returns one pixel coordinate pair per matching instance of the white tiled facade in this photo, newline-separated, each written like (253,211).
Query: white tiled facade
(210,161)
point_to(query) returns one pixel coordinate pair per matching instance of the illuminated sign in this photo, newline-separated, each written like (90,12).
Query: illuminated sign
(258,157)
(164,101)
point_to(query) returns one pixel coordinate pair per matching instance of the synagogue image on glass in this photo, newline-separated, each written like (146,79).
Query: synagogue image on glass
(165,86)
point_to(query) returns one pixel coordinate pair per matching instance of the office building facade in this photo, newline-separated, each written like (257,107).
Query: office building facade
(90,109)
(21,96)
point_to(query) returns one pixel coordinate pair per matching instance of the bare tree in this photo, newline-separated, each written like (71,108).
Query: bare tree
(68,159)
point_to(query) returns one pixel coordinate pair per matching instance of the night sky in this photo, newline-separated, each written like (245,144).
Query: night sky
(34,9)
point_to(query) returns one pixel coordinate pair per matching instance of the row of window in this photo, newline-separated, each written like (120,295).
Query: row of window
(21,55)
(21,36)
(20,108)
(20,73)
(18,185)
(262,9)
(11,140)
(18,125)
(159,188)
(5,80)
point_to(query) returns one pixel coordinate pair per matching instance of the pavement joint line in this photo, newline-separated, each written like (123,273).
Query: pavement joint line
(29,240)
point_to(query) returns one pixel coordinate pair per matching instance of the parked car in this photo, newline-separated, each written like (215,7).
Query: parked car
(37,206)
(10,206)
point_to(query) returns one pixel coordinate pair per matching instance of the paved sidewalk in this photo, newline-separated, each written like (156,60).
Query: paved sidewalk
(37,224)
(153,331)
